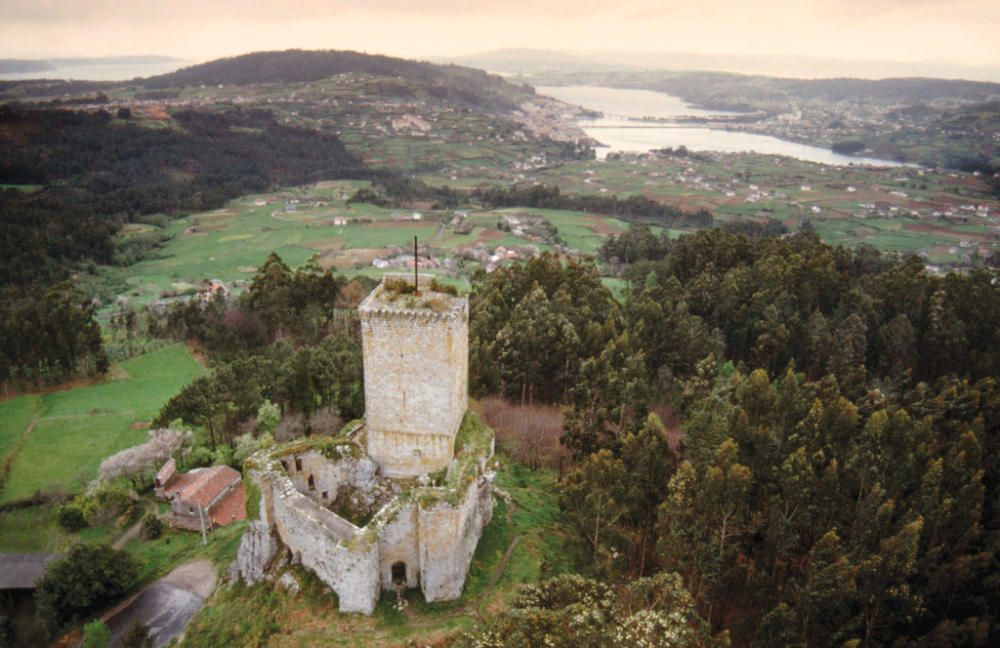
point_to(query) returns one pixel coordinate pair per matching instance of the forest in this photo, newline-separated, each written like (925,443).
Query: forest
(633,209)
(99,172)
(836,482)
(834,479)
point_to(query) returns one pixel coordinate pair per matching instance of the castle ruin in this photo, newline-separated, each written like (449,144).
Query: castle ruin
(399,499)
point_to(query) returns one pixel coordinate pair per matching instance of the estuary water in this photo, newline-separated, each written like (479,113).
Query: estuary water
(639,120)
(98,71)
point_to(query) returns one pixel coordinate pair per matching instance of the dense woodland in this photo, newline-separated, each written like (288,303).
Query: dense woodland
(283,343)
(633,209)
(98,172)
(838,479)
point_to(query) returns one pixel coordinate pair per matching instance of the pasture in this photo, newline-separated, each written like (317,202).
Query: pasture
(74,429)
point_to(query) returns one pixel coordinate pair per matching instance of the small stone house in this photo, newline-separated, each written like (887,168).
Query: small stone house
(214,495)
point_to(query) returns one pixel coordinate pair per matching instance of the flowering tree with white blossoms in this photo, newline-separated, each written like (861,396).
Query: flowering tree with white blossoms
(138,461)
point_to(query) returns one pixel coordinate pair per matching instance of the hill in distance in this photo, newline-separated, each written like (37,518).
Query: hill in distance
(450,82)
(530,61)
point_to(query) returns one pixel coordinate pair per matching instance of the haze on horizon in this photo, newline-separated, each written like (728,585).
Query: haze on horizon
(956,32)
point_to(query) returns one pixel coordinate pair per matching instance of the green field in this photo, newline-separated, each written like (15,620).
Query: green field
(76,428)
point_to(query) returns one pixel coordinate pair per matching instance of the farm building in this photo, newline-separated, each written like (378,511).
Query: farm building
(213,496)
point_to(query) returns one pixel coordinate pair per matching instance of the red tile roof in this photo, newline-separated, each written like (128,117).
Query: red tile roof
(231,509)
(202,486)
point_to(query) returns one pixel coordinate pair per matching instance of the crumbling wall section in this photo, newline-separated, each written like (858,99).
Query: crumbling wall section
(448,538)
(339,553)
(398,544)
(322,479)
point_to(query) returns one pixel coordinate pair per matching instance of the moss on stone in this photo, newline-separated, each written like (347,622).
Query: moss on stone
(252,498)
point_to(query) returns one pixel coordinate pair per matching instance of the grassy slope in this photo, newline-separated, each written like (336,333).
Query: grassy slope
(16,415)
(77,428)
(264,615)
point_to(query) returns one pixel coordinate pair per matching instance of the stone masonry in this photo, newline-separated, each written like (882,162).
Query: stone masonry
(416,358)
(400,499)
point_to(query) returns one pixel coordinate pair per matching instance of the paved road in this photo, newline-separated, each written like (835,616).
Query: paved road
(167,605)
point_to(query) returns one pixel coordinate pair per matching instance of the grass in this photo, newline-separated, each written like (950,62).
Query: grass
(16,415)
(175,547)
(77,428)
(265,615)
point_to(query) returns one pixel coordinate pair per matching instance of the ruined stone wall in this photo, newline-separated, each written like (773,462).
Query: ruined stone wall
(416,369)
(398,542)
(322,479)
(331,547)
(448,539)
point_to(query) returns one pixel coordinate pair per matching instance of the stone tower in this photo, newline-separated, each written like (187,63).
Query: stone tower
(416,362)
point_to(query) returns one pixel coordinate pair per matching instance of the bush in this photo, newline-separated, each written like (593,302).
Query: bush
(529,433)
(81,583)
(71,518)
(105,501)
(152,526)
(199,457)
(137,637)
(96,635)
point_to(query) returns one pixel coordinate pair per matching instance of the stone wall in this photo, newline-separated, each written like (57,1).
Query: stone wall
(448,539)
(398,542)
(339,553)
(433,541)
(323,479)
(416,364)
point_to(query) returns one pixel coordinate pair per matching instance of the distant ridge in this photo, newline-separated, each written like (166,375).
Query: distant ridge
(447,82)
(532,61)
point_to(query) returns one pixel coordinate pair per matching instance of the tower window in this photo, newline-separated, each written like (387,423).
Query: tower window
(312,483)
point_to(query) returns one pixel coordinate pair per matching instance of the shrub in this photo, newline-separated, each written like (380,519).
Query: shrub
(152,526)
(84,581)
(137,637)
(104,501)
(529,433)
(71,518)
(96,635)
(199,457)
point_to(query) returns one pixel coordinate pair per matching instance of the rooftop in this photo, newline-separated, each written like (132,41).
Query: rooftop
(395,295)
(202,485)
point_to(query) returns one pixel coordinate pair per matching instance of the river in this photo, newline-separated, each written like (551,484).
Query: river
(626,126)
(99,71)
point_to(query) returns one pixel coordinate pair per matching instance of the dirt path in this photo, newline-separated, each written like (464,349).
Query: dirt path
(133,531)
(167,605)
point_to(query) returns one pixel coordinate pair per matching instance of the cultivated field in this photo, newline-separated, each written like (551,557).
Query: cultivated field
(56,441)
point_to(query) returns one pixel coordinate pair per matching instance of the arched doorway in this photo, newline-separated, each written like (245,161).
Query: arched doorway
(399,573)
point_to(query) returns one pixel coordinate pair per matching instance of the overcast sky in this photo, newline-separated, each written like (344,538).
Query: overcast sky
(965,32)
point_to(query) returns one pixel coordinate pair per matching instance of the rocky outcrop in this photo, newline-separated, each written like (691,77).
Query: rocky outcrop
(257,550)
